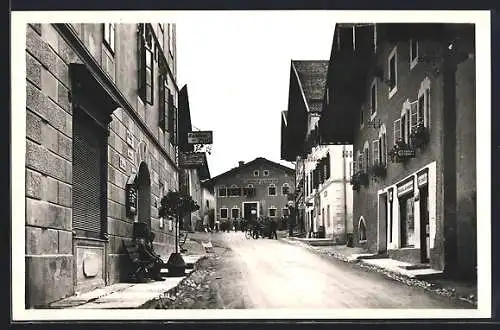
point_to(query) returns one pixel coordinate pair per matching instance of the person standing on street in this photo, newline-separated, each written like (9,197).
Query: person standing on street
(273,226)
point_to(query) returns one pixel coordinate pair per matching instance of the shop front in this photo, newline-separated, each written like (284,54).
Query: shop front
(407,217)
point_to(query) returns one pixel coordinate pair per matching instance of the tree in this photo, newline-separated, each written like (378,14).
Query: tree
(176,204)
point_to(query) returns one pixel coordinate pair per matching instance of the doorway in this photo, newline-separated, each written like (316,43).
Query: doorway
(424,225)
(250,211)
(382,223)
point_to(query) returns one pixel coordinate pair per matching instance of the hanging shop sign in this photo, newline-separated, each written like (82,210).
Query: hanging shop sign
(423,179)
(405,187)
(200,137)
(191,159)
(131,200)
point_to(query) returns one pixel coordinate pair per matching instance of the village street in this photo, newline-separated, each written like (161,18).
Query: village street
(265,273)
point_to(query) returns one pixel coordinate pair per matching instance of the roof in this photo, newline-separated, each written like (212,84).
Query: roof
(312,78)
(253,162)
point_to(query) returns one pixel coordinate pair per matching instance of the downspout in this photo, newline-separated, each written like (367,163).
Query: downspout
(344,186)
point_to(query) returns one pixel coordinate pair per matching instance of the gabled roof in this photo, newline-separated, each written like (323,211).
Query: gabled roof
(312,78)
(257,160)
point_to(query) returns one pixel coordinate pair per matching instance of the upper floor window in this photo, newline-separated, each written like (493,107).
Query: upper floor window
(161,35)
(373,99)
(222,191)
(146,78)
(234,191)
(285,189)
(366,155)
(272,190)
(413,53)
(393,72)
(382,144)
(361,118)
(256,173)
(164,106)
(171,38)
(424,103)
(265,173)
(109,36)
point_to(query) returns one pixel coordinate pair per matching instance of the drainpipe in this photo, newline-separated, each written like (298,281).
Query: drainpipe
(344,190)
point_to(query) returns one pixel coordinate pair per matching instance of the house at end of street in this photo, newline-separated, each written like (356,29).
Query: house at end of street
(259,188)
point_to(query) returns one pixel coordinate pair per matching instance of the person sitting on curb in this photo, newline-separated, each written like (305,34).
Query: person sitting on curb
(154,262)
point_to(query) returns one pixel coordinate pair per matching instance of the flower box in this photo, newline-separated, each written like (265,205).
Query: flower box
(401,152)
(419,137)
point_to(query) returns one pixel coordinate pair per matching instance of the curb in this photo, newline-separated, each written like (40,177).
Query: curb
(153,303)
(428,286)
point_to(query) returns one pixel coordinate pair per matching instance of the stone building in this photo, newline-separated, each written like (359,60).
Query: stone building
(101,108)
(404,95)
(324,196)
(259,188)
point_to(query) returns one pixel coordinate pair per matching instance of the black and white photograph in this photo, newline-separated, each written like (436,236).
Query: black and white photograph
(251,165)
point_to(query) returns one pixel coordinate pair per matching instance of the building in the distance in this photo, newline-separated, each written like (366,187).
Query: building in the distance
(324,195)
(259,188)
(404,95)
(101,135)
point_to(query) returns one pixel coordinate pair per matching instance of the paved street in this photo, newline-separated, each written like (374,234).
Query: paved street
(268,273)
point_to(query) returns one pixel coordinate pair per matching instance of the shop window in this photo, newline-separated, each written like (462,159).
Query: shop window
(406,208)
(222,191)
(362,230)
(223,213)
(413,53)
(109,36)
(393,70)
(272,190)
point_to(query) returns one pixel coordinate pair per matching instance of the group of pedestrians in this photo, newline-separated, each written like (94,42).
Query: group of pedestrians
(261,227)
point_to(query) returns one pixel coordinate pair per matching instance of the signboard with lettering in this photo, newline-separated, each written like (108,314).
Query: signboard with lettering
(422,179)
(131,200)
(406,187)
(191,159)
(200,137)
(406,153)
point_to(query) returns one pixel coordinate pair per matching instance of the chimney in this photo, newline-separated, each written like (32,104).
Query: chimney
(241,163)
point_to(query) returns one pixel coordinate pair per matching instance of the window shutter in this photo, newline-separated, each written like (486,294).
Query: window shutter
(427,107)
(327,166)
(376,152)
(170,110)
(173,136)
(161,105)
(88,176)
(397,130)
(142,61)
(413,116)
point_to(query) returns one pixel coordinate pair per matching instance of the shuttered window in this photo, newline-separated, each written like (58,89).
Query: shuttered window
(376,152)
(413,116)
(89,179)
(164,93)
(397,130)
(146,63)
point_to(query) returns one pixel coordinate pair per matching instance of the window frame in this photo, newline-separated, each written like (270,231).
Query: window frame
(233,209)
(227,212)
(406,122)
(234,187)
(265,173)
(360,238)
(393,54)
(219,190)
(109,37)
(425,91)
(414,61)
(272,207)
(285,185)
(373,99)
(149,88)
(171,39)
(272,185)
(382,136)
(256,173)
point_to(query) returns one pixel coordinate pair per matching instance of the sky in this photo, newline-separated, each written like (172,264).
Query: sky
(237,72)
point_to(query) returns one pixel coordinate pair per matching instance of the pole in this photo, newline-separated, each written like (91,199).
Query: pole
(345,192)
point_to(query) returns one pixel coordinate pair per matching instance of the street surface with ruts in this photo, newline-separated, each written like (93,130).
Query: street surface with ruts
(265,273)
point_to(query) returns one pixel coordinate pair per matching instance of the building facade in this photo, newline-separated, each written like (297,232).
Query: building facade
(411,109)
(259,188)
(324,196)
(101,108)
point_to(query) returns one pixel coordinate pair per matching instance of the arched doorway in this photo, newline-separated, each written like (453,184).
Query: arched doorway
(144,195)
